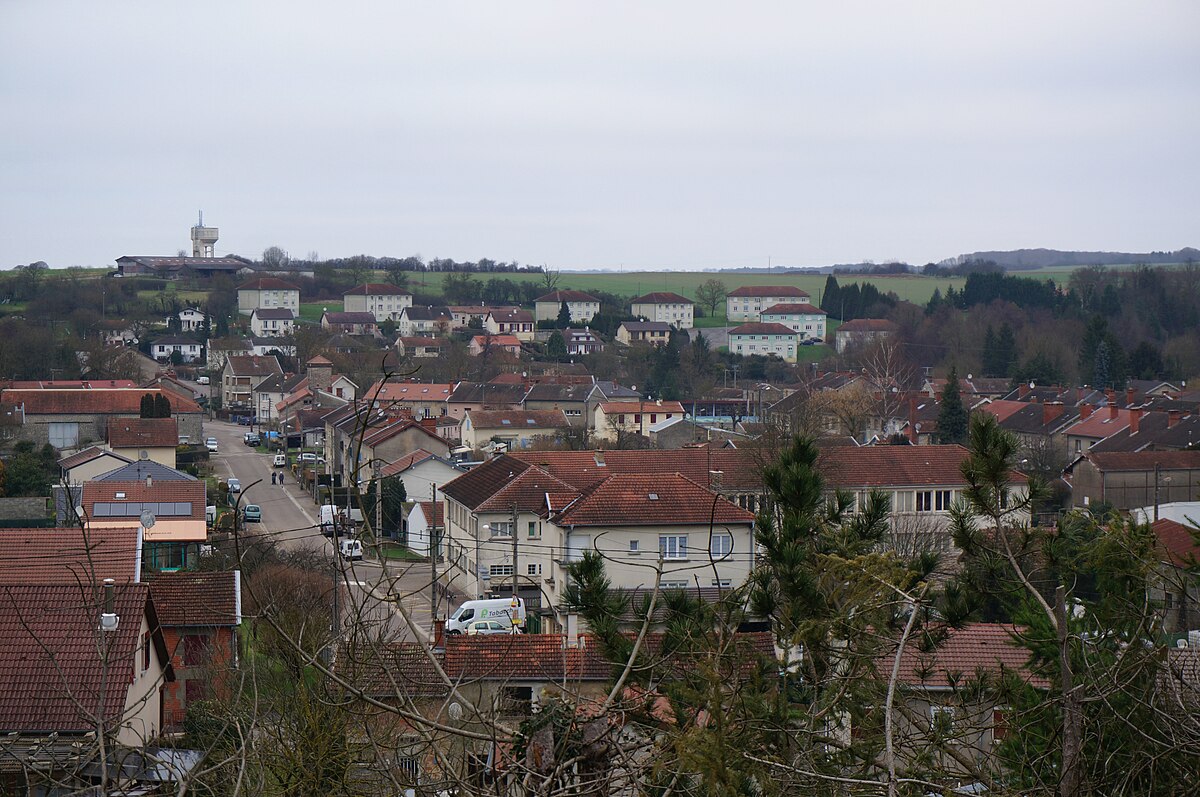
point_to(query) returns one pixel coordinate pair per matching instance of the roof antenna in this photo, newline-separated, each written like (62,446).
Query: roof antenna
(201,224)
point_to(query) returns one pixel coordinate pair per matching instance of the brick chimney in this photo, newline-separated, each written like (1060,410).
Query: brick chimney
(1051,410)
(1112,410)
(1022,390)
(1129,394)
(1085,411)
(1135,419)
(716,480)
(1111,395)
(320,374)
(1173,417)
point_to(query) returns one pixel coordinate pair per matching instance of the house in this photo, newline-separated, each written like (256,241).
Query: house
(199,614)
(174,500)
(417,399)
(241,375)
(268,393)
(681,431)
(510,322)
(466,314)
(350,323)
(272,322)
(1128,480)
(512,429)
(360,444)
(635,520)
(576,402)
(384,302)
(1161,430)
(494,344)
(419,348)
(71,555)
(656,333)
(805,320)
(72,419)
(89,463)
(862,332)
(144,438)
(425,321)
(747,302)
(583,307)
(422,472)
(221,349)
(267,292)
(611,419)
(1096,424)
(54,687)
(970,387)
(274,346)
(764,339)
(1174,585)
(189,350)
(664,306)
(425,524)
(581,341)
(474,396)
(188,320)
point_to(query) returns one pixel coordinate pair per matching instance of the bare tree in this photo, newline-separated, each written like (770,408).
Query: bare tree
(711,293)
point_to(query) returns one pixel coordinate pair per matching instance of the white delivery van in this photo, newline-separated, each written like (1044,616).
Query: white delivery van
(328,520)
(210,515)
(351,549)
(280,461)
(501,609)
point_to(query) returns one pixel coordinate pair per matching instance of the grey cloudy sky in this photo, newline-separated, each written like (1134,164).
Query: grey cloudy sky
(648,135)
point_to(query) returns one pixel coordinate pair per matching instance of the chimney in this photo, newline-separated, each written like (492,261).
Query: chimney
(599,457)
(108,618)
(1173,417)
(1129,393)
(1022,390)
(1112,409)
(1050,411)
(1110,395)
(1135,419)
(149,481)
(716,479)
(1085,411)
(439,634)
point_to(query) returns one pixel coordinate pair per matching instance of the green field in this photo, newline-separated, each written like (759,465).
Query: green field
(311,311)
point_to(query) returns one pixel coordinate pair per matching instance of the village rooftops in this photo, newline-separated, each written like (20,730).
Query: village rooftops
(71,555)
(646,326)
(897,466)
(274,314)
(143,433)
(760,291)
(351,317)
(611,407)
(643,500)
(87,455)
(567,295)
(793,309)
(661,297)
(518,419)
(198,598)
(385,391)
(144,469)
(253,365)
(763,328)
(376,289)
(98,401)
(1177,542)
(267,284)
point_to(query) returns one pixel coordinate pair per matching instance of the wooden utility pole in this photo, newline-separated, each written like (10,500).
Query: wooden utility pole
(433,552)
(514,541)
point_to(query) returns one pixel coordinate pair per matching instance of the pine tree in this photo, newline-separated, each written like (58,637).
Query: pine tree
(989,353)
(147,406)
(1102,366)
(952,417)
(564,316)
(831,297)
(556,346)
(935,302)
(1006,350)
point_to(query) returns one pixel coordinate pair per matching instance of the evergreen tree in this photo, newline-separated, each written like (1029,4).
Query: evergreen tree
(162,406)
(989,353)
(1006,350)
(831,297)
(556,346)
(935,301)
(952,417)
(147,406)
(564,316)
(1102,375)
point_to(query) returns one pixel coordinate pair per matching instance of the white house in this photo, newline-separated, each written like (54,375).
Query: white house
(190,320)
(423,473)
(804,319)
(610,418)
(267,292)
(582,306)
(383,301)
(425,321)
(188,349)
(764,339)
(272,322)
(514,428)
(510,322)
(676,310)
(748,302)
(863,332)
(424,523)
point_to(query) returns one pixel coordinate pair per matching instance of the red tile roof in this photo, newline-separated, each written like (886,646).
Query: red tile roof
(408,391)
(767,291)
(529,491)
(896,466)
(403,669)
(1177,541)
(794,309)
(197,598)
(405,462)
(518,419)
(52,674)
(143,432)
(388,432)
(433,512)
(1144,460)
(763,328)
(97,401)
(1101,423)
(868,325)
(567,295)
(1000,409)
(661,297)
(267,284)
(376,289)
(524,657)
(610,407)
(70,555)
(496,340)
(739,468)
(976,649)
(641,500)
(173,492)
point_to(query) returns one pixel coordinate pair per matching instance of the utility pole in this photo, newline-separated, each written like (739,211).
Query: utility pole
(433,552)
(378,502)
(514,538)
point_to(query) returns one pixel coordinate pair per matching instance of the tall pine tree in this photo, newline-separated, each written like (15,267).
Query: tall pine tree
(952,417)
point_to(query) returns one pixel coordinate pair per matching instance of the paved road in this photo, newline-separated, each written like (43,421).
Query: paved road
(290,517)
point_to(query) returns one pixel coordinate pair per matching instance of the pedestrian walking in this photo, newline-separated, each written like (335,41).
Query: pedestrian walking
(273,475)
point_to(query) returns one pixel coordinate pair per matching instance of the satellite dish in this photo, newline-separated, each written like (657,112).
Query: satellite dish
(455,711)
(147,519)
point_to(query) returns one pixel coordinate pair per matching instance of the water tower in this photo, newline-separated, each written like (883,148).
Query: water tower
(204,239)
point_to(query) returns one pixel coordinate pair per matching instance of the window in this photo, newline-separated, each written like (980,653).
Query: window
(721,545)
(924,500)
(64,435)
(534,569)
(943,500)
(999,723)
(533,529)
(518,700)
(195,649)
(634,546)
(941,719)
(902,501)
(673,585)
(500,570)
(502,528)
(723,583)
(673,546)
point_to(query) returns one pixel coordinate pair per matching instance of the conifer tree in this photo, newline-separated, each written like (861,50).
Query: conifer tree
(952,417)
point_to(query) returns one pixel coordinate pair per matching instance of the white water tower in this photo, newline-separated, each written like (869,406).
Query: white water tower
(204,239)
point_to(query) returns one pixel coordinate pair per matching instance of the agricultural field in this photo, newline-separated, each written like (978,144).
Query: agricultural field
(311,311)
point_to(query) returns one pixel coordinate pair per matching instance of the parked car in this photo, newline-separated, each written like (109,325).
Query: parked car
(235,486)
(251,439)
(202,380)
(252,513)
(211,444)
(310,457)
(489,627)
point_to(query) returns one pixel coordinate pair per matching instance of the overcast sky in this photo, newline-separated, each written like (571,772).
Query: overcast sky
(643,135)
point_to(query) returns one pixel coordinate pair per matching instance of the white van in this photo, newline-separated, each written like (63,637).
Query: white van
(328,519)
(280,461)
(495,609)
(351,549)
(210,515)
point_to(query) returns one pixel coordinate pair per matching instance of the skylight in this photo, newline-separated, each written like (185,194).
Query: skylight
(653,496)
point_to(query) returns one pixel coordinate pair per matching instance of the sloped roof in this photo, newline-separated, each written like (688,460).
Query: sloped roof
(867,325)
(274,314)
(197,598)
(767,291)
(70,555)
(481,482)
(89,454)
(511,316)
(417,340)
(976,649)
(1000,409)
(353,317)
(524,657)
(661,297)
(427,313)
(96,401)
(391,430)
(53,676)
(405,462)
(1103,422)
(174,340)
(253,365)
(433,512)
(493,394)
(739,469)
(168,500)
(143,432)
(518,419)
(646,326)
(376,289)
(530,491)
(642,500)
(138,470)
(496,340)
(567,295)
(763,328)
(549,391)
(1144,460)
(384,671)
(1177,542)
(896,466)
(793,309)
(610,407)
(385,391)
(267,284)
